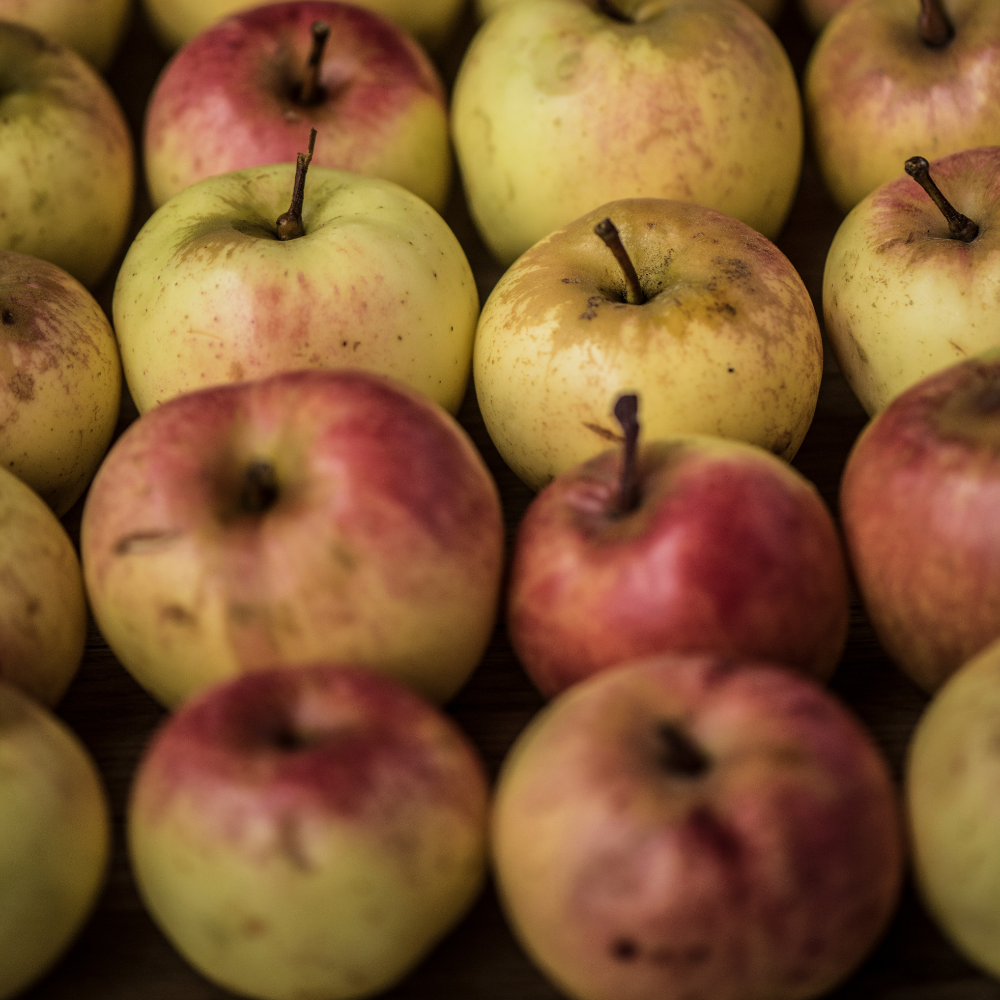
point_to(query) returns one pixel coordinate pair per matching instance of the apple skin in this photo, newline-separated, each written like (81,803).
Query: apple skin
(558,108)
(207,293)
(730,551)
(918,499)
(68,173)
(727,343)
(55,835)
(61,383)
(876,95)
(770,872)
(94,28)
(226,101)
(767,9)
(383,544)
(901,298)
(308,833)
(819,13)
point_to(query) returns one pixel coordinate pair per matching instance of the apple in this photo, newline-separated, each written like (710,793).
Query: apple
(94,31)
(307,516)
(726,342)
(687,545)
(60,390)
(767,9)
(243,92)
(819,13)
(904,295)
(696,827)
(43,609)
(67,172)
(919,500)
(559,107)
(210,292)
(891,78)
(308,833)
(54,839)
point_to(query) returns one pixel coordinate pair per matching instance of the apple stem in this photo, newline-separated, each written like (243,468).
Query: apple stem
(681,756)
(260,488)
(627,415)
(960,226)
(311,92)
(290,223)
(608,232)
(934,27)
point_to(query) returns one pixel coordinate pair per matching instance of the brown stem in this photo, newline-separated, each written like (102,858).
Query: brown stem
(260,488)
(608,232)
(289,223)
(627,415)
(311,92)
(681,755)
(934,27)
(960,226)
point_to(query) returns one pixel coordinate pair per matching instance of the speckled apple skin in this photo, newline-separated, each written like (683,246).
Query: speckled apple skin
(876,95)
(93,28)
(67,186)
(729,551)
(325,869)
(919,501)
(727,343)
(558,108)
(772,875)
(227,100)
(901,298)
(384,546)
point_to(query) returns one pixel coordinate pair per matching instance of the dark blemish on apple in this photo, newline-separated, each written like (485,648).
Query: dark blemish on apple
(603,432)
(7,316)
(724,309)
(734,268)
(624,950)
(961,350)
(571,281)
(174,614)
(730,370)
(145,542)
(781,444)
(22,385)
(592,305)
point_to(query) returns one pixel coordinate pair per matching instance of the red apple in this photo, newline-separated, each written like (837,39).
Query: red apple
(307,516)
(695,544)
(240,94)
(308,833)
(920,505)
(697,828)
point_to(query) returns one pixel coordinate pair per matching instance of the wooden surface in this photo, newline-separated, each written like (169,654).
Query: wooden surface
(121,954)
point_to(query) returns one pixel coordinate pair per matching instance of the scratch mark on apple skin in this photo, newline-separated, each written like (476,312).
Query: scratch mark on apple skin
(146,542)
(603,432)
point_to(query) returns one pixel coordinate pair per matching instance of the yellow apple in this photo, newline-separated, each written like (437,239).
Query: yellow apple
(93,28)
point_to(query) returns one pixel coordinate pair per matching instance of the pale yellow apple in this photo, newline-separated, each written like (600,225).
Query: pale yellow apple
(727,343)
(93,28)
(54,839)
(558,108)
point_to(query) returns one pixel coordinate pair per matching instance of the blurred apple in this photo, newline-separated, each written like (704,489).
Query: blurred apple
(54,839)
(94,29)
(696,827)
(891,78)
(686,545)
(310,833)
(767,9)
(312,515)
(819,13)
(559,107)
(726,342)
(244,92)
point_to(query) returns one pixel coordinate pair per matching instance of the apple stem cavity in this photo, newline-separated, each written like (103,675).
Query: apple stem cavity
(289,223)
(961,227)
(627,415)
(311,92)
(609,9)
(934,27)
(681,755)
(260,488)
(608,232)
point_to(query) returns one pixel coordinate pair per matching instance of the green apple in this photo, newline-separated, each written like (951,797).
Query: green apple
(727,342)
(559,107)
(54,839)
(209,293)
(94,32)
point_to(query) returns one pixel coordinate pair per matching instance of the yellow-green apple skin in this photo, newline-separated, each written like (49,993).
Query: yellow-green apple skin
(309,833)
(558,108)
(43,609)
(60,379)
(919,503)
(696,827)
(307,516)
(208,294)
(877,94)
(93,28)
(767,9)
(67,180)
(176,21)
(819,13)
(229,99)
(901,298)
(954,822)
(727,343)
(54,839)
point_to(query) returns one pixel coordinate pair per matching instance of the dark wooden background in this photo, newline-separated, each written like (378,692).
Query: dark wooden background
(120,954)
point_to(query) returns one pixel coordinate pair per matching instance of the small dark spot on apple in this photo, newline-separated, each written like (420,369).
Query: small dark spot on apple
(22,385)
(343,343)
(571,281)
(730,370)
(624,950)
(7,316)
